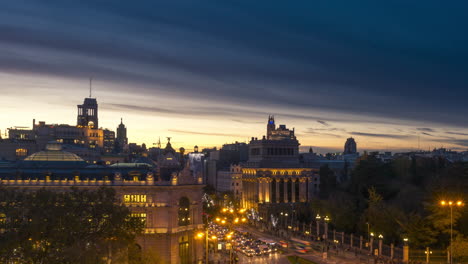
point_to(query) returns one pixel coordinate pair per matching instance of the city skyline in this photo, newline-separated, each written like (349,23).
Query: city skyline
(163,71)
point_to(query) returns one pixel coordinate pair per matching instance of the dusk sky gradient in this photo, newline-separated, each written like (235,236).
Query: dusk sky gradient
(210,72)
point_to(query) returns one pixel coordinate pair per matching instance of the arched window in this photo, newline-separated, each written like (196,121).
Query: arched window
(184,211)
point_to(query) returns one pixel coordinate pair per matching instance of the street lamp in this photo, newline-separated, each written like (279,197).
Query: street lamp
(405,250)
(371,246)
(200,235)
(451,204)
(380,244)
(231,218)
(327,219)
(318,217)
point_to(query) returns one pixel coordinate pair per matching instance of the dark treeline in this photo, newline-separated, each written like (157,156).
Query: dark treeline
(71,226)
(399,199)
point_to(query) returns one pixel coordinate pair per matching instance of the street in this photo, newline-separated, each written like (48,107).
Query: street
(271,259)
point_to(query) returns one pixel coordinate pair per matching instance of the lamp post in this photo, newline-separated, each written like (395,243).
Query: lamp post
(368,232)
(318,217)
(451,204)
(380,244)
(428,252)
(371,246)
(327,219)
(200,235)
(405,250)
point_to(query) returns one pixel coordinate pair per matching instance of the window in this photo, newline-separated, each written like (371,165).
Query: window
(21,152)
(184,250)
(184,211)
(141,216)
(255,151)
(135,198)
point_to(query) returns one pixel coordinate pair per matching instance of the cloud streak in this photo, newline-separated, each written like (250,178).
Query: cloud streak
(392,136)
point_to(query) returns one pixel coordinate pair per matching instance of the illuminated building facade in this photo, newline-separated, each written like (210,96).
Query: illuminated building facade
(171,210)
(273,174)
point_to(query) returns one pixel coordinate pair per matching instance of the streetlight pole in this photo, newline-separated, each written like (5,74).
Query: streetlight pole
(451,204)
(318,225)
(206,246)
(326,226)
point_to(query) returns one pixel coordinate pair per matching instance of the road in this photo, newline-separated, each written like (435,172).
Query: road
(272,259)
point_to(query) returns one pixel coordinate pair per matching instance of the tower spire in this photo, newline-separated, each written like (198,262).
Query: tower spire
(90,86)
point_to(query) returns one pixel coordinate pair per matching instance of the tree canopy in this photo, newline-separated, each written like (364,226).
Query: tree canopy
(72,226)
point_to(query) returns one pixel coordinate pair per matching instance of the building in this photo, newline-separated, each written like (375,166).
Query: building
(230,181)
(273,176)
(109,141)
(85,139)
(172,209)
(121,139)
(350,146)
(88,114)
(169,162)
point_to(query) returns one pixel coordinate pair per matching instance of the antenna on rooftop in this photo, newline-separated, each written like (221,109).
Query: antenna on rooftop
(90,86)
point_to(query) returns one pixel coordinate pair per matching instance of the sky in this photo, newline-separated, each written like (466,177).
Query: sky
(391,74)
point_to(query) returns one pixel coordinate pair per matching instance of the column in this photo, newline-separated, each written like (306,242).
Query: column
(277,191)
(267,190)
(302,188)
(285,190)
(260,190)
(351,241)
(293,190)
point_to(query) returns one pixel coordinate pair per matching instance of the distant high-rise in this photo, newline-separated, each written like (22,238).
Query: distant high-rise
(350,146)
(122,139)
(270,126)
(88,113)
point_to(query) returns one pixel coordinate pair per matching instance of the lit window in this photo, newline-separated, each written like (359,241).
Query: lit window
(21,152)
(184,211)
(135,198)
(141,216)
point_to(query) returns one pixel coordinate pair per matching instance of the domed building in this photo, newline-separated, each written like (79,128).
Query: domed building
(53,157)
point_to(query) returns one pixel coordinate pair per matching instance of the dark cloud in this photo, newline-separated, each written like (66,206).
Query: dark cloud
(323,122)
(188,132)
(381,135)
(427,134)
(457,133)
(320,132)
(379,61)
(425,129)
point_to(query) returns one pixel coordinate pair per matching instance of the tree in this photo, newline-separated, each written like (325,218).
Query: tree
(327,181)
(74,226)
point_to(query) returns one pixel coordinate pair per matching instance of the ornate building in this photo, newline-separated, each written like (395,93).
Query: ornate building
(350,146)
(88,114)
(273,174)
(172,209)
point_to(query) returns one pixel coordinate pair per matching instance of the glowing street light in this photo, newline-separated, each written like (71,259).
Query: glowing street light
(326,219)
(451,204)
